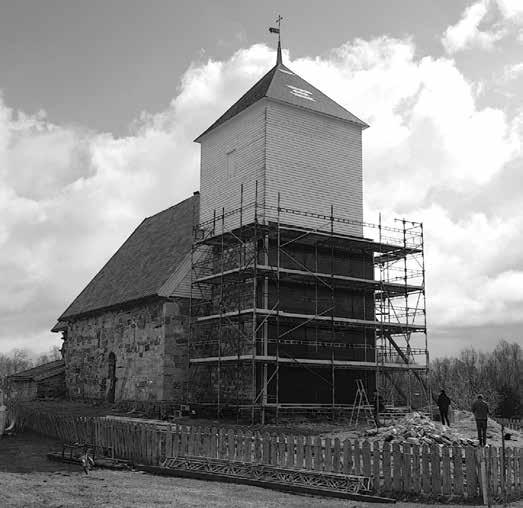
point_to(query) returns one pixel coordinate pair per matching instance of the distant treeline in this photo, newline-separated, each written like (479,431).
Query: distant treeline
(497,375)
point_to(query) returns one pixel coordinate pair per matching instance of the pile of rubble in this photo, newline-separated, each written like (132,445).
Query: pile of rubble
(418,429)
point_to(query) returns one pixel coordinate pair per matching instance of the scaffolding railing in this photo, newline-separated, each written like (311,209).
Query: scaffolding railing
(242,258)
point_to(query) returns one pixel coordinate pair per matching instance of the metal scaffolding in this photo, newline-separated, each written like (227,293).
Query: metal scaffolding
(274,288)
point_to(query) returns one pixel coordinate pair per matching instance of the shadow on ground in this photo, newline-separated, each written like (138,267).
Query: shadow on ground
(26,453)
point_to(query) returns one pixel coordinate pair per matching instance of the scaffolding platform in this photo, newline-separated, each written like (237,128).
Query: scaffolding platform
(272,295)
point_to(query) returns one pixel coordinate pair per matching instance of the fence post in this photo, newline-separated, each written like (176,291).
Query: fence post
(416,477)
(397,483)
(336,456)
(308,452)
(357,457)
(366,458)
(328,455)
(387,472)
(318,455)
(299,452)
(425,461)
(435,470)
(247,446)
(470,462)
(445,467)
(457,463)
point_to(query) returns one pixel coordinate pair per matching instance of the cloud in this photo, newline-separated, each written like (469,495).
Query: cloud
(512,72)
(482,24)
(70,196)
(466,32)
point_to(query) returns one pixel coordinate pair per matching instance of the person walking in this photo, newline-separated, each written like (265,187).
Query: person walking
(443,405)
(481,412)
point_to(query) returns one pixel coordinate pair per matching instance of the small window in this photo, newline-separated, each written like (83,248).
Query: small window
(231,164)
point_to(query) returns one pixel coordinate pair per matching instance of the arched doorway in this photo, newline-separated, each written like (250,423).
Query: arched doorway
(112,377)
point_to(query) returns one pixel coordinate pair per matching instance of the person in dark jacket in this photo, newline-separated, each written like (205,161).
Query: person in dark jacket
(481,412)
(443,404)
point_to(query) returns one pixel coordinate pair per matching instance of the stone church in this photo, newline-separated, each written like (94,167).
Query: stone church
(286,145)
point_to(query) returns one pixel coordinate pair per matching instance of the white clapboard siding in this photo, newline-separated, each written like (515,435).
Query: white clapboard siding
(314,161)
(245,133)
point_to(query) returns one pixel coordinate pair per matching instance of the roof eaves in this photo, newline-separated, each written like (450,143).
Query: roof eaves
(108,308)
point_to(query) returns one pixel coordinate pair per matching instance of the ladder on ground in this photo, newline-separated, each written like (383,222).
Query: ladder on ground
(361,405)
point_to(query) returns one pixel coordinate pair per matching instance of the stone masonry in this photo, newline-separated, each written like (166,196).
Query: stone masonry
(149,341)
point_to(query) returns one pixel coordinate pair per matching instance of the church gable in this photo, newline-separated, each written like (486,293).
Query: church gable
(142,265)
(283,85)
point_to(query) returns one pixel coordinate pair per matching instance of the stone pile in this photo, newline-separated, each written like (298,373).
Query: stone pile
(418,429)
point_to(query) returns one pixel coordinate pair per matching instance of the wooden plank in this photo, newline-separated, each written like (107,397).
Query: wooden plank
(240,444)
(376,476)
(520,471)
(281,451)
(387,468)
(327,463)
(183,443)
(308,452)
(213,444)
(168,444)
(258,447)
(273,450)
(318,454)
(425,469)
(397,481)
(266,448)
(407,466)
(348,462)
(231,452)
(446,484)
(493,470)
(200,447)
(457,470)
(470,472)
(222,443)
(510,470)
(158,447)
(435,468)
(356,456)
(336,456)
(290,452)
(247,446)
(366,458)
(416,473)
(300,452)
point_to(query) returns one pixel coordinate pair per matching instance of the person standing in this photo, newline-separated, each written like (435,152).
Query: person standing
(481,412)
(443,405)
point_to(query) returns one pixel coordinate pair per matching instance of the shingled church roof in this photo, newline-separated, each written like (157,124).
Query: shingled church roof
(144,263)
(283,85)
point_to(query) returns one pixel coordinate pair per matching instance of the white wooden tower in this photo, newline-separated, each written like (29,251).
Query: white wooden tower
(292,140)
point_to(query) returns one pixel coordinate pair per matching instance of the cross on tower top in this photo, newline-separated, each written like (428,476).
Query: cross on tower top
(274,30)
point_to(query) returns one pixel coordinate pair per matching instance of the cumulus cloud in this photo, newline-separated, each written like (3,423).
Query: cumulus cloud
(466,32)
(70,196)
(482,24)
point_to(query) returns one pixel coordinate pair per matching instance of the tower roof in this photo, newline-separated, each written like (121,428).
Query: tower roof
(283,85)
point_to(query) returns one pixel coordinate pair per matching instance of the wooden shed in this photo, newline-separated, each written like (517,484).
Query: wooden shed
(46,380)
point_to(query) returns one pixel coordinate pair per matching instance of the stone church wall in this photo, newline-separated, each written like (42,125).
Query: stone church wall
(149,343)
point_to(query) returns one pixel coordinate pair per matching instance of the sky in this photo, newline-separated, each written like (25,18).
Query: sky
(100,102)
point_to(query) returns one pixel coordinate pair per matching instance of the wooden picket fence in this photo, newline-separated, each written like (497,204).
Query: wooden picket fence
(510,423)
(435,471)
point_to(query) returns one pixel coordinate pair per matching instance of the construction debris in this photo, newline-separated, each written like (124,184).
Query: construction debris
(418,429)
